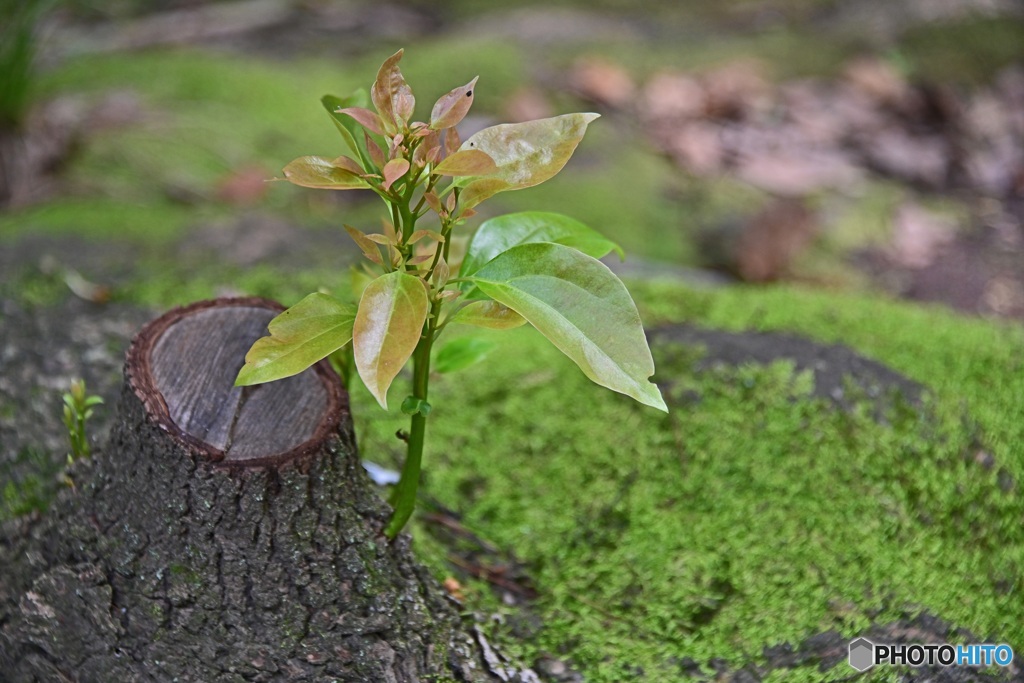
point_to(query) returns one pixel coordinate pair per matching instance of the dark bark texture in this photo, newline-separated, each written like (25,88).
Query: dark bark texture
(254,553)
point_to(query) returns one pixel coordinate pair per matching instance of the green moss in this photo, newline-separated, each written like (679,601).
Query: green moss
(98,218)
(30,484)
(753,514)
(205,114)
(967,51)
(176,287)
(30,287)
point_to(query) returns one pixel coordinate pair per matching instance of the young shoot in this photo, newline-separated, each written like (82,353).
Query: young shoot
(531,268)
(78,408)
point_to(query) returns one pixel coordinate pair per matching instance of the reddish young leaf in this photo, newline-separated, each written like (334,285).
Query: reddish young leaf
(366,118)
(433,202)
(367,245)
(394,145)
(420,234)
(441,273)
(320,173)
(392,96)
(389,230)
(419,157)
(349,165)
(468,162)
(431,139)
(452,141)
(452,107)
(393,170)
(381,239)
(375,152)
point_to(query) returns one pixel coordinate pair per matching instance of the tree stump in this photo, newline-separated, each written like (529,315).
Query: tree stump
(223,534)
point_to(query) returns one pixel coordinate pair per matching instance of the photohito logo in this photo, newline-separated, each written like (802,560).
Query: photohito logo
(864,654)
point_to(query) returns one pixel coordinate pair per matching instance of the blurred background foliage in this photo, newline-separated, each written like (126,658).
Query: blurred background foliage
(872,146)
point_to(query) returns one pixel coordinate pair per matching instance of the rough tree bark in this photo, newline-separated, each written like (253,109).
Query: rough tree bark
(224,535)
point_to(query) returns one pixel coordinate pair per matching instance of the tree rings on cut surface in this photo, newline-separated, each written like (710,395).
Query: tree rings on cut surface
(183,365)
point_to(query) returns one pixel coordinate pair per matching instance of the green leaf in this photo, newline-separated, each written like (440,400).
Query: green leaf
(460,353)
(582,308)
(488,314)
(299,337)
(392,96)
(468,162)
(413,406)
(504,232)
(387,329)
(350,129)
(320,173)
(530,153)
(452,107)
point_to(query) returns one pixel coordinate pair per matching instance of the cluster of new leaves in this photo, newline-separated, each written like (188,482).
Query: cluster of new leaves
(535,268)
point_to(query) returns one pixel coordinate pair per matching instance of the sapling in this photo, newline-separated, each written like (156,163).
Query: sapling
(533,267)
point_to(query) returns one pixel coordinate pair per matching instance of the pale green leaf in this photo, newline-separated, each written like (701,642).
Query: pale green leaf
(490,314)
(479,190)
(320,173)
(467,162)
(299,337)
(460,353)
(504,232)
(387,329)
(582,308)
(530,153)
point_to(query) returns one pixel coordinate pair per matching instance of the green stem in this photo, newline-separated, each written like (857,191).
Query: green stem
(403,499)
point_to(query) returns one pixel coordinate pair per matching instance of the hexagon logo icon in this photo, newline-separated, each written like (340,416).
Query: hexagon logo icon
(862,654)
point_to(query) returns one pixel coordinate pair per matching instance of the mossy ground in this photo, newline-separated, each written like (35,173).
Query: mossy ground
(751,515)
